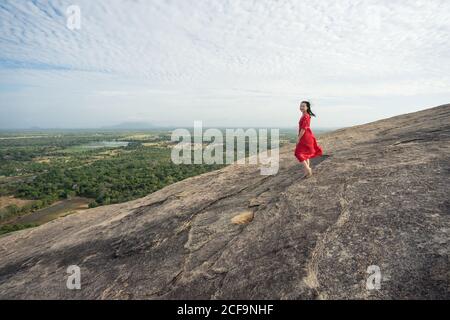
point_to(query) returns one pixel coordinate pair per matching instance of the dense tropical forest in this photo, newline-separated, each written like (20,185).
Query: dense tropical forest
(52,174)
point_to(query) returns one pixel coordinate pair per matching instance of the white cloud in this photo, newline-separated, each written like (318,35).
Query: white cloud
(211,54)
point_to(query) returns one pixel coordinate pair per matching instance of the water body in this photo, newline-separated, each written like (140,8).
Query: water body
(105,144)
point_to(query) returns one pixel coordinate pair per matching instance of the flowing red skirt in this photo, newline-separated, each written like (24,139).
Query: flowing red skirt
(307,147)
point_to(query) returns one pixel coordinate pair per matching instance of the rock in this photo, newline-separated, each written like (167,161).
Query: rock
(243,217)
(378,200)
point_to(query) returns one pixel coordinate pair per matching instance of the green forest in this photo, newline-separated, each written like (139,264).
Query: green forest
(103,167)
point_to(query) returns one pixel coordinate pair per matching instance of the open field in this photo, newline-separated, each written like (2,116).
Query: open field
(58,209)
(6,201)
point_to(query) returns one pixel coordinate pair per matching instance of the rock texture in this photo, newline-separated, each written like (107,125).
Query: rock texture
(379,196)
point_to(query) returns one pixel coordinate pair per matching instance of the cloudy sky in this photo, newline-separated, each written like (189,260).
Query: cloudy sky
(225,62)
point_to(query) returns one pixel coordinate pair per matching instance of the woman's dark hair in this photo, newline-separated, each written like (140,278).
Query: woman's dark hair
(308,108)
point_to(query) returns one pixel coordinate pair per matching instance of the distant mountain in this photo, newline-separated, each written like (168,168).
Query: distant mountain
(131,125)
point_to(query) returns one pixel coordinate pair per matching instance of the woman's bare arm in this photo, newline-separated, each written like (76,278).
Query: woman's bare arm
(300,135)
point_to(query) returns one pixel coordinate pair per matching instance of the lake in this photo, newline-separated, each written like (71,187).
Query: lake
(97,145)
(105,144)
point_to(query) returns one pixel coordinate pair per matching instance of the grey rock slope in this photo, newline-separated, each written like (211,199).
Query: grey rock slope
(379,196)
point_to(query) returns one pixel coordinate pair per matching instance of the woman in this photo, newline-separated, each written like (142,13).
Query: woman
(307,146)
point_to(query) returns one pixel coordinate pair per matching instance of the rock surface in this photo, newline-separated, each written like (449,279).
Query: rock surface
(379,196)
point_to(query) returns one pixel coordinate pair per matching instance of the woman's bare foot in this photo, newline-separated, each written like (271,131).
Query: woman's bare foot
(308,173)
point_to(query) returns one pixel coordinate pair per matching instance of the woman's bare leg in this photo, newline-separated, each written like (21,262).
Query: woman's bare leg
(307,169)
(307,161)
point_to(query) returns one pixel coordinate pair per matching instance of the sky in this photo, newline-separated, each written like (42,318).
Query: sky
(223,62)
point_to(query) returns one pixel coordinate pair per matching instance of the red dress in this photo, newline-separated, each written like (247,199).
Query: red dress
(307,147)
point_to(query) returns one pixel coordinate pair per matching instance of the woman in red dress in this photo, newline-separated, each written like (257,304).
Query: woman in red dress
(307,146)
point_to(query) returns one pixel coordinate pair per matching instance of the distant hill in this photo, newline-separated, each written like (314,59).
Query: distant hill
(377,204)
(131,126)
